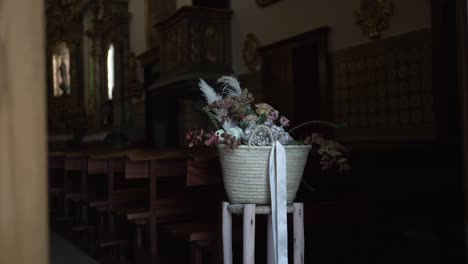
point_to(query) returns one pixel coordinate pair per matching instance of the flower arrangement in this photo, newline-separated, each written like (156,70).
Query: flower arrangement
(240,122)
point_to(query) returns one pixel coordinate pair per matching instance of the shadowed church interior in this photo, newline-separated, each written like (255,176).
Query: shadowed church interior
(129,177)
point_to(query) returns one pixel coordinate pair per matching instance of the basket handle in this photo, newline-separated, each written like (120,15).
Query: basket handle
(256,130)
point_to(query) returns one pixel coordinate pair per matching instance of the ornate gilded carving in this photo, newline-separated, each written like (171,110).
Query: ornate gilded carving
(373,16)
(195,40)
(250,54)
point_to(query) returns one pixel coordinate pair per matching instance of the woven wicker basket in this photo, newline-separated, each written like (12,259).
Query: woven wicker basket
(245,172)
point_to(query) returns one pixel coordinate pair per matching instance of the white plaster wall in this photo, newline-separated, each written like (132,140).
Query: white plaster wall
(291,17)
(138,42)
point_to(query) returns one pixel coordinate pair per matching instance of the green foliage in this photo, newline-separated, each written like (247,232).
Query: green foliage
(243,124)
(212,118)
(261,119)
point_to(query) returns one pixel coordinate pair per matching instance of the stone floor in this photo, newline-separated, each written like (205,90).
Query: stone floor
(63,252)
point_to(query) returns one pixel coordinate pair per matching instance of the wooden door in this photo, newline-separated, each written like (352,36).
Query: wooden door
(462,32)
(23,181)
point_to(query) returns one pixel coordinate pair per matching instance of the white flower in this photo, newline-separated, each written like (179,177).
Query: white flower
(228,124)
(235,132)
(219,134)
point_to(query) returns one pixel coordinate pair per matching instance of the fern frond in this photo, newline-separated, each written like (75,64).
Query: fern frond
(212,118)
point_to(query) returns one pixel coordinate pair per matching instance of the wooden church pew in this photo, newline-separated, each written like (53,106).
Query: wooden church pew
(74,182)
(166,206)
(111,164)
(56,164)
(201,237)
(139,206)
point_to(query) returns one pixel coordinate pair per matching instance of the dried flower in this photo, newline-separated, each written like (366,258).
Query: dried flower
(273,115)
(194,137)
(284,121)
(232,111)
(225,103)
(231,142)
(220,133)
(251,119)
(263,109)
(212,139)
(208,91)
(231,85)
(235,132)
(332,153)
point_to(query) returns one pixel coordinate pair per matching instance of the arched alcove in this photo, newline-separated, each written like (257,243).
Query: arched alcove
(61,70)
(110,71)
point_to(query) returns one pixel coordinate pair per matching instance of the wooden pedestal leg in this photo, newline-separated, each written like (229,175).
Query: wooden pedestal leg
(77,212)
(249,234)
(101,226)
(111,225)
(66,207)
(196,256)
(270,248)
(122,250)
(84,214)
(227,234)
(139,250)
(153,239)
(298,217)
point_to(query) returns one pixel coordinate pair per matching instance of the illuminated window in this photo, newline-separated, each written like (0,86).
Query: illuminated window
(110,71)
(61,69)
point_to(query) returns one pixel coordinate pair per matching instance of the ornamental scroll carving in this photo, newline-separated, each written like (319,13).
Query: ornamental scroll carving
(374,16)
(250,54)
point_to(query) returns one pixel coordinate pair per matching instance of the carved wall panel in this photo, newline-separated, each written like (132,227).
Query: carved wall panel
(384,90)
(195,40)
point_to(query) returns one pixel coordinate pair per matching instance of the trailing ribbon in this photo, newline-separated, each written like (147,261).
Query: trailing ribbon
(279,214)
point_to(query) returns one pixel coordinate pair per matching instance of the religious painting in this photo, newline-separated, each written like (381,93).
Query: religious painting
(61,70)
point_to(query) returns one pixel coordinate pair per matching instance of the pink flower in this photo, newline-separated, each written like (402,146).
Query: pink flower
(200,135)
(194,137)
(225,103)
(212,140)
(188,135)
(284,121)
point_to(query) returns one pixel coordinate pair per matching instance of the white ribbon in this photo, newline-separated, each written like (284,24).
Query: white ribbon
(279,214)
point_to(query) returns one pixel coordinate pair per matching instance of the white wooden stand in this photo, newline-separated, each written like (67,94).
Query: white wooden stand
(249,211)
